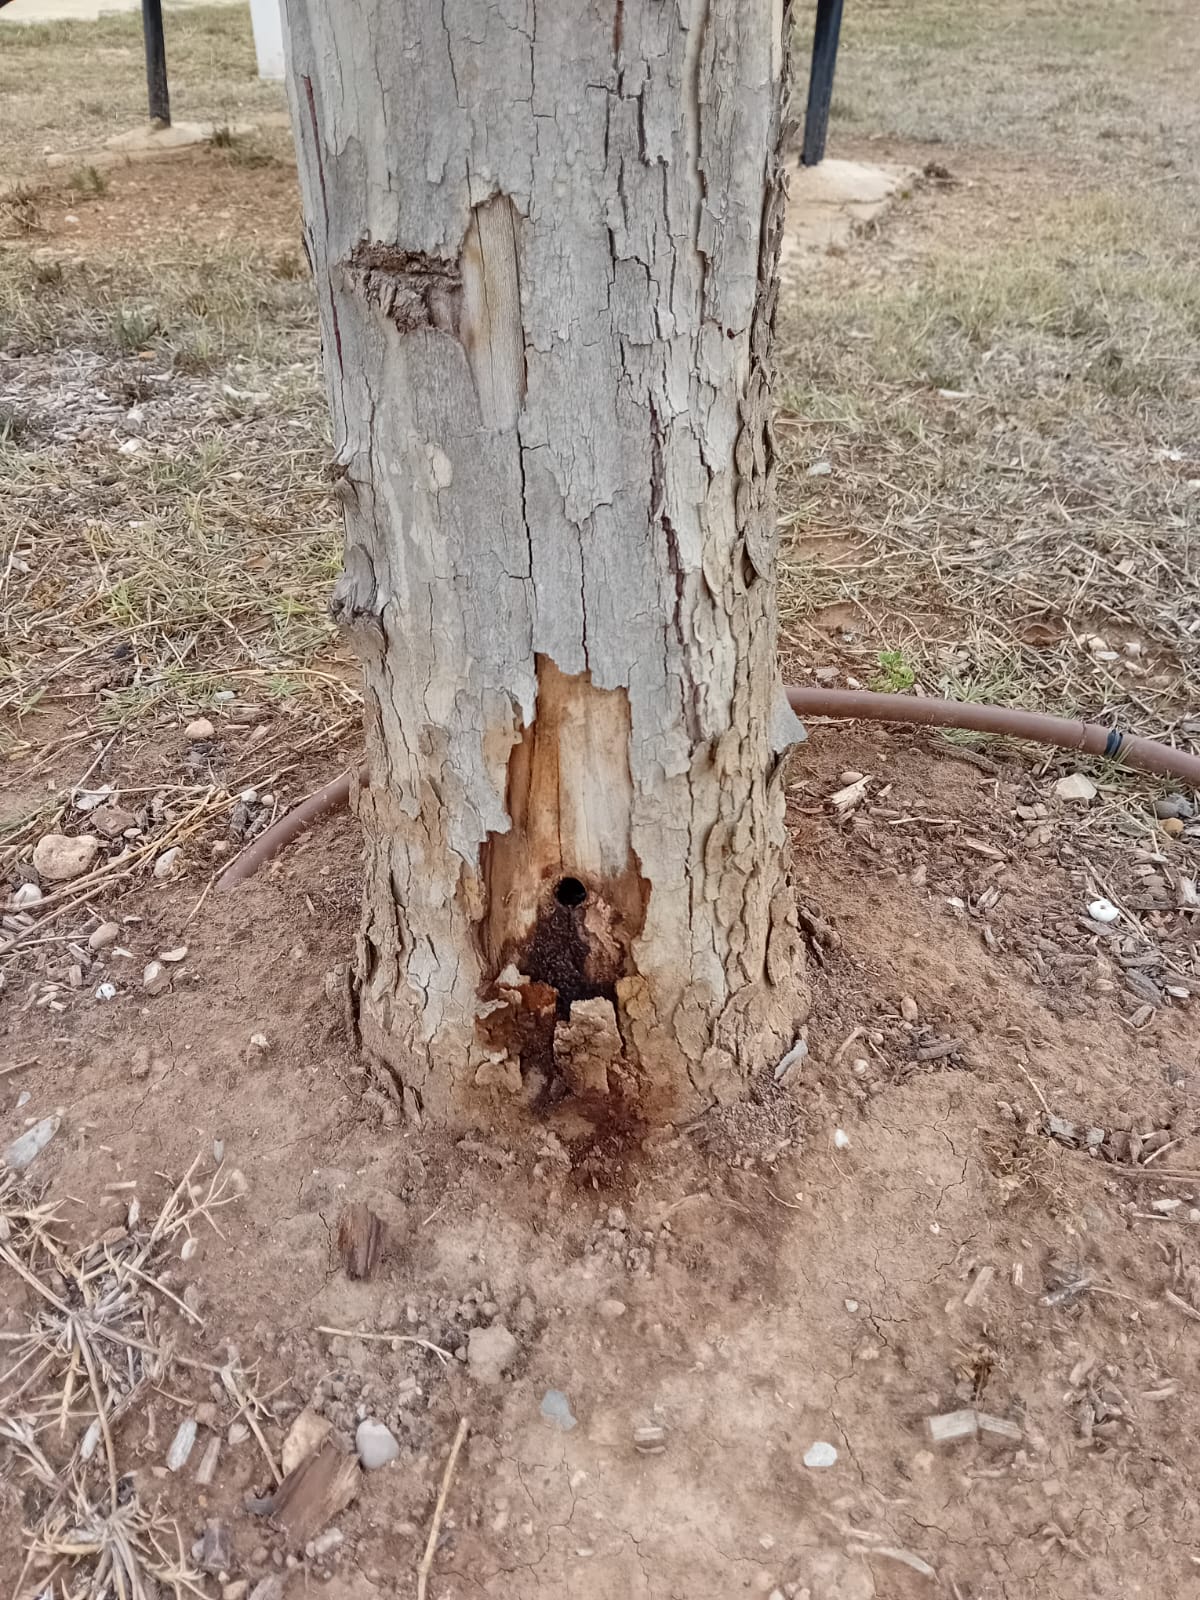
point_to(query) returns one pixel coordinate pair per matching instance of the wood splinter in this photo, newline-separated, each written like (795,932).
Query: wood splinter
(361,1237)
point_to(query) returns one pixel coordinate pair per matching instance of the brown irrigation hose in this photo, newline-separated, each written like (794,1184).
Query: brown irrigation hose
(859,705)
(855,705)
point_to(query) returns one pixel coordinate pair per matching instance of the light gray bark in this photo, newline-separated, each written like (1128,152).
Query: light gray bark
(544,235)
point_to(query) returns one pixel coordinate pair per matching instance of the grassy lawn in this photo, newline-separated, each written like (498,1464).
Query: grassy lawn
(1006,381)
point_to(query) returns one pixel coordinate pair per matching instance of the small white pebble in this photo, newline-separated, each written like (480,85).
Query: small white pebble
(155,978)
(201,728)
(26,894)
(820,1454)
(249,797)
(1103,911)
(841,1139)
(168,863)
(106,991)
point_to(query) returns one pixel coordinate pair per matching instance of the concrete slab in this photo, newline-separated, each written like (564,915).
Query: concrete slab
(829,203)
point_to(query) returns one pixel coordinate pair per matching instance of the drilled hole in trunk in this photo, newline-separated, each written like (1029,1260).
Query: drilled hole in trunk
(570,892)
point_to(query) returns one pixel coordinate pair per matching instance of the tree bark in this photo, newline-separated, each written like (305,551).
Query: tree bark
(544,238)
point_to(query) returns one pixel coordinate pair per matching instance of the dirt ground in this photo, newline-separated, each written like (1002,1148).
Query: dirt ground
(701,1361)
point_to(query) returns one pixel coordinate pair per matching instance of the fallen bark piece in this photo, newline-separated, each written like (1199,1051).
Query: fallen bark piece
(998,1427)
(953,1425)
(360,1241)
(890,1552)
(980,1287)
(313,1494)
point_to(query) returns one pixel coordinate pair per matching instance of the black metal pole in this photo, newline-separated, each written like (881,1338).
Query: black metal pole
(820,80)
(156,62)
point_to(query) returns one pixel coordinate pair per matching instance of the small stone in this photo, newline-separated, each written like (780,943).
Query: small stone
(25,894)
(908,1009)
(238,1433)
(169,863)
(820,1454)
(610,1310)
(1103,911)
(107,933)
(303,1438)
(57,858)
(112,821)
(156,979)
(1175,807)
(237,1590)
(1172,827)
(201,728)
(556,1409)
(1076,786)
(820,469)
(24,1149)
(490,1351)
(376,1445)
(841,1139)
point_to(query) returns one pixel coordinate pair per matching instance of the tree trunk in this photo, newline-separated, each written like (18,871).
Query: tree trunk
(544,237)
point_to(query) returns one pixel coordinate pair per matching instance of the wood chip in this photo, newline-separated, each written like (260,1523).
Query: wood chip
(951,1426)
(313,1494)
(846,799)
(360,1241)
(980,1287)
(936,1049)
(208,1461)
(998,1427)
(890,1552)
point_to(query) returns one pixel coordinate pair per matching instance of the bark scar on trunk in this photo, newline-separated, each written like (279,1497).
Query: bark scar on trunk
(412,288)
(475,297)
(564,893)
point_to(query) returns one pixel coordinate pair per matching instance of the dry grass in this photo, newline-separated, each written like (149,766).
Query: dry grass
(93,1349)
(1006,384)
(98,76)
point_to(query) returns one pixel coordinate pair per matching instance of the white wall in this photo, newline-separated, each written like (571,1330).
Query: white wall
(266,18)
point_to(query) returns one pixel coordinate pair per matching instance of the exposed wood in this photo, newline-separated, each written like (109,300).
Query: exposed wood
(313,1493)
(545,242)
(360,1240)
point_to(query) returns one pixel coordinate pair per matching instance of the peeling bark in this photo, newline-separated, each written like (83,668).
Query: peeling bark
(545,242)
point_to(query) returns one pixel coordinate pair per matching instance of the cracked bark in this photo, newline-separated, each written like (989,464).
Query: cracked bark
(545,241)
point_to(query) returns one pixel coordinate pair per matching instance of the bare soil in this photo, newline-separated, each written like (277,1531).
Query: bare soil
(979,1192)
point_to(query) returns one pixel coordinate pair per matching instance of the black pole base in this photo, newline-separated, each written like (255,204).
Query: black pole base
(820,80)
